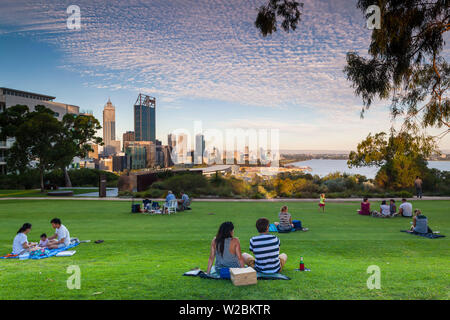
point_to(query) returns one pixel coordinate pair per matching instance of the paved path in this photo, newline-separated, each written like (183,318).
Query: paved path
(216,199)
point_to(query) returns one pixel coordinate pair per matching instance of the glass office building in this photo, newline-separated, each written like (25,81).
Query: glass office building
(145,118)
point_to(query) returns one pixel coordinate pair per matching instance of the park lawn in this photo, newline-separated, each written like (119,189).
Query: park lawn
(37,193)
(144,257)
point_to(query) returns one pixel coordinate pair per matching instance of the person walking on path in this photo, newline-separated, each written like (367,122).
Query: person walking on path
(418,186)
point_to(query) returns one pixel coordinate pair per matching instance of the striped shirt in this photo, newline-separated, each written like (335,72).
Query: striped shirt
(285,220)
(266,248)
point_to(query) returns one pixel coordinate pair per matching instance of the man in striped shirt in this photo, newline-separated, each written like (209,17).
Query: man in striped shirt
(266,248)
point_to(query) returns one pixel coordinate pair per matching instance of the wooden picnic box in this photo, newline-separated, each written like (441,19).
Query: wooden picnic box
(243,276)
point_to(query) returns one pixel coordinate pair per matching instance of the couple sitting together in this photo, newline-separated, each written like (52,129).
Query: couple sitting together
(60,239)
(226,250)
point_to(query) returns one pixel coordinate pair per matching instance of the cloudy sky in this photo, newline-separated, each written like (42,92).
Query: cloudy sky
(202,60)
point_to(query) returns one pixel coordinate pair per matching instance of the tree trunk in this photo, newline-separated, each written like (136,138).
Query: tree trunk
(67,178)
(42,180)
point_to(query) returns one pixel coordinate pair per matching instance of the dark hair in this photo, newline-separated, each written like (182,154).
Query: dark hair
(43,235)
(392,200)
(365,199)
(56,221)
(24,227)
(262,224)
(224,232)
(383,202)
(404,200)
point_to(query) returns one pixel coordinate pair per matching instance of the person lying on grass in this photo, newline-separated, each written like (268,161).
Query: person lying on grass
(266,248)
(61,238)
(226,249)
(286,224)
(20,243)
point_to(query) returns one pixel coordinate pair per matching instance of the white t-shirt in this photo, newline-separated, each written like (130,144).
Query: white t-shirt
(385,209)
(62,232)
(19,240)
(407,209)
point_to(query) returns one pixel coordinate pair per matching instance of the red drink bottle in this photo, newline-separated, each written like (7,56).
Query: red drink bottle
(302,265)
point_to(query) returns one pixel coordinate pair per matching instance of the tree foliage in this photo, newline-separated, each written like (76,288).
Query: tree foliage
(406,63)
(35,136)
(400,156)
(288,10)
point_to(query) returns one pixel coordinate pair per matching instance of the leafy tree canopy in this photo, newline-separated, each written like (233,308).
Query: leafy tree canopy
(405,62)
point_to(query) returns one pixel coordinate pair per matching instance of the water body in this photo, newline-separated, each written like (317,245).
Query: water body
(324,167)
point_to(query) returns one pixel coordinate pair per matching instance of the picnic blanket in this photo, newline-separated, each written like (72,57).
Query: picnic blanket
(273,228)
(426,235)
(51,253)
(214,274)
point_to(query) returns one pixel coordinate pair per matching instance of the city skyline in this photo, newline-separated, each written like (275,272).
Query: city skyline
(201,60)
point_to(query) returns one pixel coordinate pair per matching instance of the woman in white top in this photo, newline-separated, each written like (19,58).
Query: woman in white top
(385,210)
(20,244)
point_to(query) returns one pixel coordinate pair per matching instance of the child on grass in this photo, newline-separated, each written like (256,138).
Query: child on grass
(43,243)
(322,202)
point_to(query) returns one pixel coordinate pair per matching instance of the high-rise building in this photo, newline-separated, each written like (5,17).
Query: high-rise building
(128,136)
(11,97)
(112,146)
(109,123)
(199,149)
(145,118)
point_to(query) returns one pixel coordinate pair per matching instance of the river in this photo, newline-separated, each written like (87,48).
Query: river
(324,167)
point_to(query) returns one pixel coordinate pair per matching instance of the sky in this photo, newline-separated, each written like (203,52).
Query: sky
(203,60)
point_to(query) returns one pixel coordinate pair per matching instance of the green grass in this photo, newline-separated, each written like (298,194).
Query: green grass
(144,257)
(37,193)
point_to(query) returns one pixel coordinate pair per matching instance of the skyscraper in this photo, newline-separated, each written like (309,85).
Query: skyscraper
(109,123)
(199,148)
(144,118)
(112,145)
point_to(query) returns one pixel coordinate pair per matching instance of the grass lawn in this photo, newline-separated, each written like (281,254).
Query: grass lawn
(37,193)
(144,257)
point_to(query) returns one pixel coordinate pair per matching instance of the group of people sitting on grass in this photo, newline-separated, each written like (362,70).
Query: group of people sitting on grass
(226,249)
(60,239)
(387,210)
(419,222)
(153,206)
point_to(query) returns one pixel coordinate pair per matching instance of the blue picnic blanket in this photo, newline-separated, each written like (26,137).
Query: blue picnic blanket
(51,253)
(214,274)
(273,228)
(426,235)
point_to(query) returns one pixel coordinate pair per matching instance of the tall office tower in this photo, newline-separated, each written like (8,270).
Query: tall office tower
(199,149)
(144,118)
(109,123)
